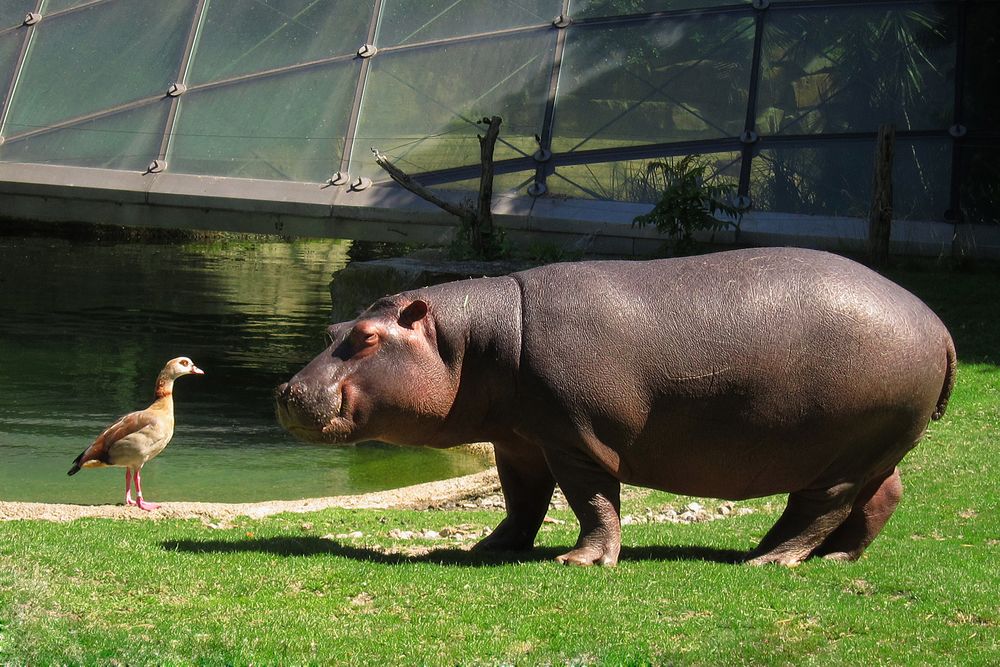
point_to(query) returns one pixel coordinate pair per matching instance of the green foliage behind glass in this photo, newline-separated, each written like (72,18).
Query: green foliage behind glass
(689,204)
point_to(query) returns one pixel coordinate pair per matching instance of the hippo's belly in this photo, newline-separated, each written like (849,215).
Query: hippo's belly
(705,453)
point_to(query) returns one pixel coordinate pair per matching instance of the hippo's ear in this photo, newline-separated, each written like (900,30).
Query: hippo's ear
(414,312)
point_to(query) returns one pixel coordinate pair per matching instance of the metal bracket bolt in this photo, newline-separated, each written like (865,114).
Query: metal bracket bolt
(32,18)
(176,90)
(361,183)
(367,51)
(156,166)
(537,189)
(340,178)
(562,21)
(749,137)
(761,4)
(958,130)
(542,155)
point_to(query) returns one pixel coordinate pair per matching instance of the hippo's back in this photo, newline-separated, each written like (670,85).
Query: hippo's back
(734,353)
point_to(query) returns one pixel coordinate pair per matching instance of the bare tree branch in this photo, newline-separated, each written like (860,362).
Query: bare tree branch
(408,183)
(477,225)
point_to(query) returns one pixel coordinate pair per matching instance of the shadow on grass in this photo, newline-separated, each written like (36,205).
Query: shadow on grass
(311,546)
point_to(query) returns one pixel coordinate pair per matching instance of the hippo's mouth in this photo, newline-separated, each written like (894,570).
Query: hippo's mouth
(306,422)
(336,431)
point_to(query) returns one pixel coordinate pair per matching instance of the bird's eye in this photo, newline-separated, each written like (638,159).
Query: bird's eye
(185,362)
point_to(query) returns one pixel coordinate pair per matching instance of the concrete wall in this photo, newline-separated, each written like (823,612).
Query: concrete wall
(385,212)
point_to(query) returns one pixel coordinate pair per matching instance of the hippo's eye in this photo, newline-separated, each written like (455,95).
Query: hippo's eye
(364,339)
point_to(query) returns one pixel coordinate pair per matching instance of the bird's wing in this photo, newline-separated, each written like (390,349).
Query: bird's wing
(132,423)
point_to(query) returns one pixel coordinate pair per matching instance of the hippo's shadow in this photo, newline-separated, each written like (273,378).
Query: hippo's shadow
(312,546)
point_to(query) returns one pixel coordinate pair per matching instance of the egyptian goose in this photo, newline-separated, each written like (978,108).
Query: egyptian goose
(139,436)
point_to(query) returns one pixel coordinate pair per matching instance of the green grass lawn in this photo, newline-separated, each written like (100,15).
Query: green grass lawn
(287,590)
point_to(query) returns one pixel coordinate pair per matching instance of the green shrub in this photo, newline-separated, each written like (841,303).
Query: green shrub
(688,204)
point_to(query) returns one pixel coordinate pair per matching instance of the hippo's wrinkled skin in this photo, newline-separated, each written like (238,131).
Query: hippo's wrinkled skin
(734,375)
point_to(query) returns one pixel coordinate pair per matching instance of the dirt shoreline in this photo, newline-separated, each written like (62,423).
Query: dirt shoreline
(419,496)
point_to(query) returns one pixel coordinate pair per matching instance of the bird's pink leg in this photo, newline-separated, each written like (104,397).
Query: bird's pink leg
(128,487)
(143,505)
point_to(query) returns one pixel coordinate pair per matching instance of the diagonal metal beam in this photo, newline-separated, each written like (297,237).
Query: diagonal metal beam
(543,169)
(197,21)
(359,91)
(15,76)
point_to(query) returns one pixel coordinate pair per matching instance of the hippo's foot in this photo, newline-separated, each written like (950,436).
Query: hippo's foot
(595,497)
(809,518)
(599,544)
(872,509)
(508,536)
(788,559)
(591,555)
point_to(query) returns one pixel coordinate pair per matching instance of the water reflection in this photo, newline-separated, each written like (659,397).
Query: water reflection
(84,328)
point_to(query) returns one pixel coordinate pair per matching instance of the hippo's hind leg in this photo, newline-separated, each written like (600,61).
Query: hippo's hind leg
(809,518)
(527,489)
(872,508)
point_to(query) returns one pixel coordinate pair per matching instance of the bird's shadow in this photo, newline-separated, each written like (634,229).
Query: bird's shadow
(313,546)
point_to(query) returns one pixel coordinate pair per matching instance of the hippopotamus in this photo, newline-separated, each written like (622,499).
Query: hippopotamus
(732,375)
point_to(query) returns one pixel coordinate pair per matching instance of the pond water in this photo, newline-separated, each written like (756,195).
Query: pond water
(85,327)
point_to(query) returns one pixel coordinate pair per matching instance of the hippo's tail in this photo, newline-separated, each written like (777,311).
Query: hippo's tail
(949,381)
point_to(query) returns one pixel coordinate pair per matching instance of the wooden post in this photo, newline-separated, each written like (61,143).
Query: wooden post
(880,216)
(482,232)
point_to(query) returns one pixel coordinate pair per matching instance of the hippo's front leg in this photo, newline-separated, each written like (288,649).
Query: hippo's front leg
(527,489)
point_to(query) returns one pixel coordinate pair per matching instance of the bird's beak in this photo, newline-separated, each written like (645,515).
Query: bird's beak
(197,371)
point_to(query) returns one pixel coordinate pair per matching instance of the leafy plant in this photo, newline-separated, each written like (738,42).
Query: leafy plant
(688,204)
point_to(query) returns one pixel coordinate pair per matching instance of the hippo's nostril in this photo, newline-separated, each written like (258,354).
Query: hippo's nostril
(292,394)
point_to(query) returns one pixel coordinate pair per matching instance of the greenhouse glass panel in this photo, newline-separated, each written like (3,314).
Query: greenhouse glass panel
(12,12)
(980,183)
(422,106)
(413,21)
(99,57)
(10,46)
(825,179)
(851,69)
(982,53)
(505,186)
(635,181)
(921,179)
(287,127)
(653,82)
(53,6)
(244,36)
(580,9)
(127,140)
